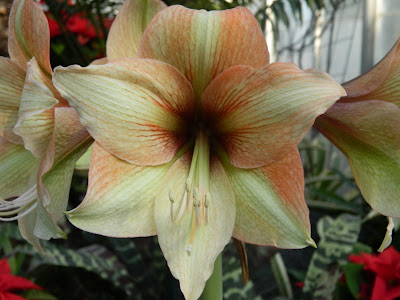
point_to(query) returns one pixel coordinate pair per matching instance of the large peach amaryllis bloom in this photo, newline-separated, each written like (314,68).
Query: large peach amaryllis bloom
(365,126)
(196,140)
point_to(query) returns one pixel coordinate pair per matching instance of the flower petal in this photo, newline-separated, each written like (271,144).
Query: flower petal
(12,80)
(368,133)
(202,44)
(128,27)
(134,108)
(36,113)
(17,169)
(389,90)
(83,162)
(69,141)
(259,114)
(26,225)
(270,205)
(29,35)
(194,268)
(383,72)
(120,197)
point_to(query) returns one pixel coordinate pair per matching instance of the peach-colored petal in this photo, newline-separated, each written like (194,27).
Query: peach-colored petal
(69,141)
(389,89)
(259,114)
(134,108)
(120,197)
(29,35)
(368,133)
(270,205)
(194,268)
(100,61)
(382,72)
(17,169)
(128,27)
(36,113)
(12,80)
(202,44)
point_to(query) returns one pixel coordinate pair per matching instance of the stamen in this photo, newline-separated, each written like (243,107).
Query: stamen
(196,196)
(172,199)
(206,205)
(11,210)
(32,207)
(197,203)
(184,202)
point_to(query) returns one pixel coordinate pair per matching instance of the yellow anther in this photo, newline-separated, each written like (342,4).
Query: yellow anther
(196,197)
(207,200)
(187,185)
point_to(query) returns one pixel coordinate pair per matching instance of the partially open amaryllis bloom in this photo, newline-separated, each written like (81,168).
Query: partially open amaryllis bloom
(365,126)
(40,135)
(196,140)
(9,284)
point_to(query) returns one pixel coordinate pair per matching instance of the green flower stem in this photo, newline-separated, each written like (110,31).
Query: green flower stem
(213,289)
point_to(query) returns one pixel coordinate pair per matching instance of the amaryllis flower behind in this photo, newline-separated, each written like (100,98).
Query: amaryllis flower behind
(40,135)
(365,126)
(196,140)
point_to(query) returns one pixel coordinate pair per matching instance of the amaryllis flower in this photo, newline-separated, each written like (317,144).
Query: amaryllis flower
(9,284)
(365,127)
(40,135)
(385,271)
(196,139)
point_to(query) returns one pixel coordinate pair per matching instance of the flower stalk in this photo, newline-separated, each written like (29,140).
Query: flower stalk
(213,289)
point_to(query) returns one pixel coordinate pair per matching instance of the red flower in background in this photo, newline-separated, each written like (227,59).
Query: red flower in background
(385,269)
(10,283)
(76,23)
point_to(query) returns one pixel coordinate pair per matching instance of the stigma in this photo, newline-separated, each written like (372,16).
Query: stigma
(196,199)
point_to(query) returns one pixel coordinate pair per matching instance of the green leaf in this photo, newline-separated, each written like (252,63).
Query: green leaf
(336,244)
(94,258)
(353,277)
(281,276)
(38,295)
